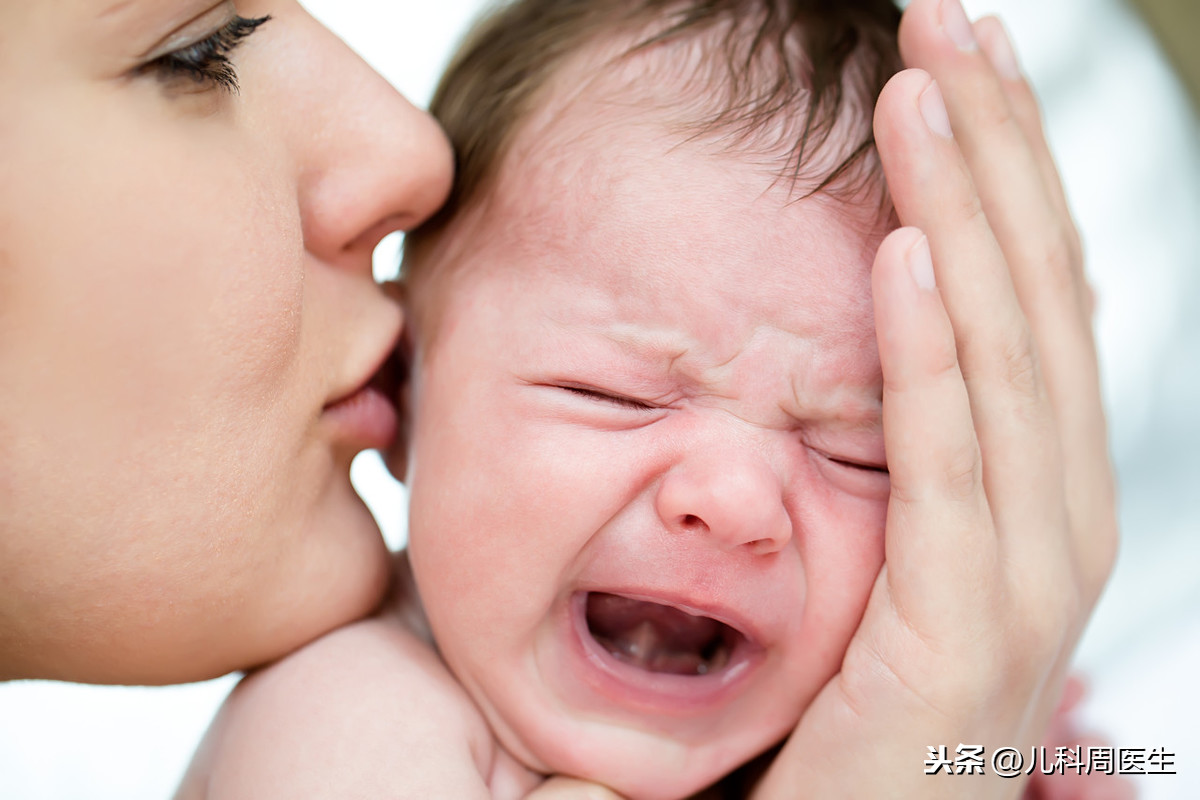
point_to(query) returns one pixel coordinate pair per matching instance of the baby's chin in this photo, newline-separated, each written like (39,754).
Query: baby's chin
(633,758)
(651,701)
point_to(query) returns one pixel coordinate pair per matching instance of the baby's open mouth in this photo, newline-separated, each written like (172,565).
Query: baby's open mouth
(657,637)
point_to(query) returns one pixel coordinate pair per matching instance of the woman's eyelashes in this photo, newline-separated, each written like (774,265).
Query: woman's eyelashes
(206,63)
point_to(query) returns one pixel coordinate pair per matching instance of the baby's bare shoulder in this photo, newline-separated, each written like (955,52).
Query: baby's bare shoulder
(366,711)
(369,670)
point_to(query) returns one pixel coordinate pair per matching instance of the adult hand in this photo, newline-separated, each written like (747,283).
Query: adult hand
(1001,524)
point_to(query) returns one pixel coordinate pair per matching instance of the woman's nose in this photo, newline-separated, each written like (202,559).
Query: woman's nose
(735,499)
(369,162)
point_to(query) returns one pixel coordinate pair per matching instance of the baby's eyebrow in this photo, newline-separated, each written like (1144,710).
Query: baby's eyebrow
(657,351)
(852,404)
(861,412)
(850,407)
(646,343)
(863,423)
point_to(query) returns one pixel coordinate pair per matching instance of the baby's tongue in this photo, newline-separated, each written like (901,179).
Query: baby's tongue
(656,637)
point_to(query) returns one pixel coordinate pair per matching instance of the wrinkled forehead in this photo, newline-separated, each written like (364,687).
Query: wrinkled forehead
(617,154)
(630,201)
(686,91)
(620,148)
(605,212)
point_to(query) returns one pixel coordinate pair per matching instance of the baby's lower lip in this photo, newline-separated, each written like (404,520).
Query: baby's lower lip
(672,683)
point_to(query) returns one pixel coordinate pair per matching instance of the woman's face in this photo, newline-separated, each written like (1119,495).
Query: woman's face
(185,297)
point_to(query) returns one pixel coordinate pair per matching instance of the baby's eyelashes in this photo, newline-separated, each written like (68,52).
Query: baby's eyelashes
(601,395)
(864,478)
(880,468)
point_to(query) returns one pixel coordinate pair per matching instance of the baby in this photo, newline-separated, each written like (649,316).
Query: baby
(646,434)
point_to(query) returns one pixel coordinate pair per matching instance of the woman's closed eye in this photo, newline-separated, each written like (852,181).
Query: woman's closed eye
(205,62)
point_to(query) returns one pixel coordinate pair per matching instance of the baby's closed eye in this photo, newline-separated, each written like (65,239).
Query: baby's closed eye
(605,396)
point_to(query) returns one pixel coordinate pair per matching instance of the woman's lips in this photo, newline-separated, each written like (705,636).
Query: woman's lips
(648,655)
(366,419)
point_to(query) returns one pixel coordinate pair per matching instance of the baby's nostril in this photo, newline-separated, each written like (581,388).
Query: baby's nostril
(691,521)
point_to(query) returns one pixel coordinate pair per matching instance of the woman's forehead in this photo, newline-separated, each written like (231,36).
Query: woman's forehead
(99,18)
(106,10)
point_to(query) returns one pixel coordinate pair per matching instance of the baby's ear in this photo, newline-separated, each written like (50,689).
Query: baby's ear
(396,456)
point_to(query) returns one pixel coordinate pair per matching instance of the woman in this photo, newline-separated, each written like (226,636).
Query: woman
(191,193)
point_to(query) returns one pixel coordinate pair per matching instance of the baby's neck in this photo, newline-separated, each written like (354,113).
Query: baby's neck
(403,603)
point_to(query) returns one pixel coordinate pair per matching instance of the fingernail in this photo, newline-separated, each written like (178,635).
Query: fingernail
(933,109)
(920,265)
(957,26)
(1000,52)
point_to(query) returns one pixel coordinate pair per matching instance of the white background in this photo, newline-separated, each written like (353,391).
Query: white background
(1129,150)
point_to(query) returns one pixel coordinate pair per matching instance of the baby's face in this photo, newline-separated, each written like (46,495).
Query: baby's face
(648,484)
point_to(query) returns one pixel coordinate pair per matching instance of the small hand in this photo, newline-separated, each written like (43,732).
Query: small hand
(560,788)
(1063,732)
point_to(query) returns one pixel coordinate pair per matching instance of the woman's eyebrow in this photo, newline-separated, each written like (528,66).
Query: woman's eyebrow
(116,9)
(115,12)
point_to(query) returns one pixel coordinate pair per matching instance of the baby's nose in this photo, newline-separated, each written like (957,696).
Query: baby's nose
(735,499)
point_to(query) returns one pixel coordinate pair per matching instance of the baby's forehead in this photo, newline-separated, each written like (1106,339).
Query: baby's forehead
(578,149)
(651,229)
(585,156)
(685,90)
(590,187)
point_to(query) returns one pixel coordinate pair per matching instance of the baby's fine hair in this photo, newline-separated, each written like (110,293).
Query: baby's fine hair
(791,83)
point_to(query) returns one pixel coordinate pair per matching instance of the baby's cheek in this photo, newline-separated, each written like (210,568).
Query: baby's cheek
(842,553)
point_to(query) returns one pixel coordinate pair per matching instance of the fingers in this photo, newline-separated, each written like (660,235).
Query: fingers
(938,517)
(1032,229)
(996,44)
(933,190)
(999,129)
(996,122)
(1067,344)
(975,174)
